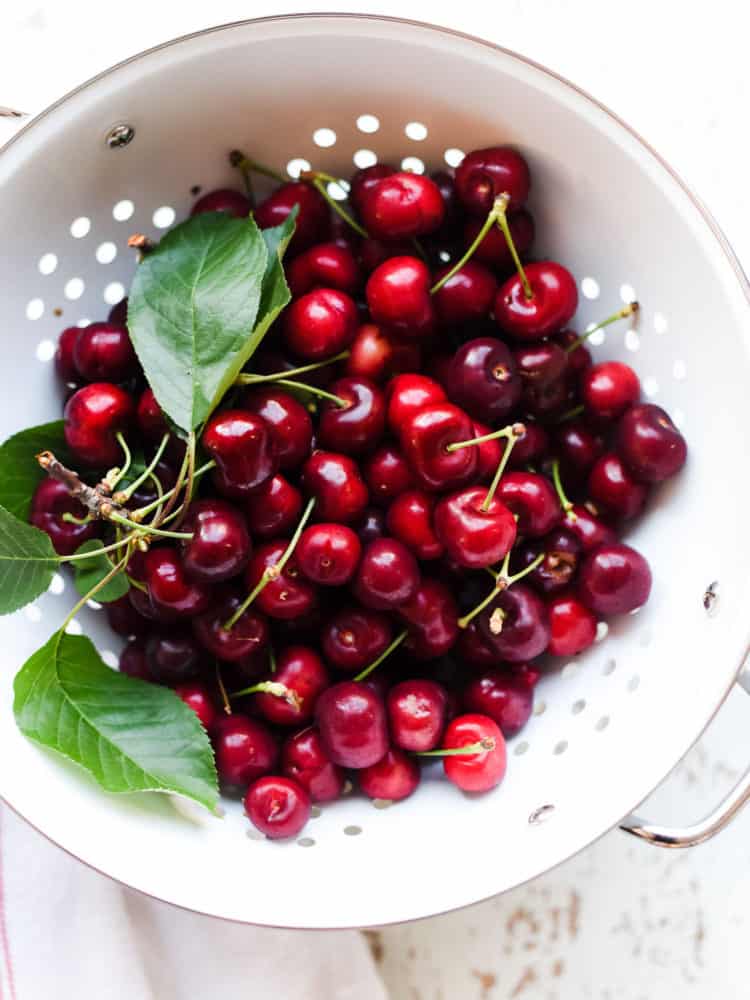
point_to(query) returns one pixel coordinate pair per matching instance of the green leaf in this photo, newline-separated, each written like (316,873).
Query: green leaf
(20,472)
(27,562)
(192,306)
(88,572)
(129,735)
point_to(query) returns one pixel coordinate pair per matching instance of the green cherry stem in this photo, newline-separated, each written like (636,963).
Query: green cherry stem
(386,653)
(502,582)
(319,181)
(99,585)
(95,553)
(565,503)
(503,432)
(481,746)
(571,414)
(147,529)
(516,431)
(123,496)
(275,688)
(314,390)
(142,511)
(497,212)
(502,222)
(250,378)
(629,310)
(222,689)
(114,476)
(246,166)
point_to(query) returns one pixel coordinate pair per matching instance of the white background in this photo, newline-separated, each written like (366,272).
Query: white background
(622,921)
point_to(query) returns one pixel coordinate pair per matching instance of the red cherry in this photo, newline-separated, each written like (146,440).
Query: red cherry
(125,620)
(150,417)
(119,312)
(533,499)
(484,174)
(608,389)
(352,723)
(562,552)
(274,508)
(50,501)
(473,648)
(335,483)
(611,485)
(370,525)
(540,363)
(365,180)
(133,661)
(394,777)
(578,447)
(467,296)
(355,637)
(278,807)
(417,712)
(358,426)
(553,302)
(302,672)
(650,444)
(103,353)
(579,357)
(328,553)
(398,296)
(505,696)
(489,453)
(320,324)
(220,546)
(326,265)
(196,696)
(238,644)
(243,445)
(93,416)
(169,588)
(474,537)
(65,366)
(425,437)
(305,761)
(483,378)
(173,656)
(224,200)
(289,595)
(387,575)
(432,617)
(493,251)
(573,626)
(410,520)
(373,253)
(480,771)
(312,215)
(244,750)
(291,423)
(531,446)
(401,206)
(614,579)
(407,395)
(376,354)
(587,528)
(516,624)
(387,474)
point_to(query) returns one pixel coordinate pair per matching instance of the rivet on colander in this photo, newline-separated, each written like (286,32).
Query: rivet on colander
(542,814)
(711,597)
(120,135)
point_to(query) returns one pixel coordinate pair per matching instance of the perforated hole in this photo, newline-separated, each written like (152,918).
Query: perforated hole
(47,263)
(650,386)
(601,631)
(632,340)
(33,613)
(368,124)
(123,210)
(601,724)
(609,667)
(74,627)
(521,748)
(306,842)
(541,707)
(74,289)
(109,657)
(416,131)
(364,158)
(598,337)
(57,584)
(590,288)
(80,227)
(627,293)
(578,706)
(315,812)
(634,683)
(324,137)
(106,252)
(45,350)
(337,191)
(35,309)
(94,605)
(353,830)
(569,669)
(453,156)
(413,165)
(382,803)
(679,370)
(163,217)
(114,293)
(660,323)
(560,747)
(253,834)
(295,167)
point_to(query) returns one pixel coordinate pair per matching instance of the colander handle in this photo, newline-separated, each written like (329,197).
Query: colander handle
(713,823)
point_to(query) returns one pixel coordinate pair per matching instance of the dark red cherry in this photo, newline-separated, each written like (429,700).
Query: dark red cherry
(352,723)
(170,590)
(387,575)
(473,537)
(467,296)
(540,362)
(562,553)
(417,711)
(489,453)
(484,174)
(305,761)
(480,771)
(334,481)
(398,296)
(144,608)
(650,445)
(238,644)
(578,447)
(613,487)
(483,378)
(65,366)
(125,620)
(493,250)
(410,520)
(579,357)
(358,426)
(328,553)
(387,474)
(133,661)
(278,807)
(365,180)
(587,528)
(224,200)
(473,648)
(243,445)
(93,416)
(553,302)
(197,697)
(150,417)
(401,206)
(244,750)
(505,696)
(608,389)
(432,617)
(533,499)
(376,354)
(50,501)
(614,579)
(355,637)
(425,437)
(407,395)
(326,265)
(319,324)
(103,353)
(373,253)
(312,216)
(220,546)
(394,777)
(573,626)
(274,508)
(516,624)
(453,209)
(370,525)
(287,596)
(303,674)
(531,446)
(291,423)
(119,312)
(173,656)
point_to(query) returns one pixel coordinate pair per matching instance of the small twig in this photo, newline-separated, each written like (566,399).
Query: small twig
(93,498)
(143,244)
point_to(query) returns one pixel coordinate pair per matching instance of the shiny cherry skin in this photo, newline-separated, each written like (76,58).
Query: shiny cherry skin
(243,445)
(573,626)
(578,447)
(170,589)
(50,501)
(553,302)
(145,609)
(103,353)
(365,180)
(483,378)
(425,437)
(354,637)
(398,296)
(65,366)
(319,324)
(274,508)
(474,649)
(119,312)
(480,771)
(312,216)
(387,575)
(614,579)
(612,486)
(244,640)
(410,519)
(531,447)
(608,389)
(562,554)
(302,672)
(417,714)
(650,445)
(371,525)
(401,206)
(533,498)
(150,417)
(376,354)
(516,624)
(325,265)
(291,423)
(93,416)
(506,696)
(547,402)
(473,537)
(220,546)
(467,296)
(173,656)
(337,486)
(353,726)
(125,620)
(589,529)
(493,250)
(223,200)
(278,807)
(357,427)
(489,453)
(432,618)
(394,777)
(387,474)
(287,596)
(328,553)
(579,356)
(245,750)
(305,761)
(197,697)
(540,362)
(484,174)
(133,661)
(409,393)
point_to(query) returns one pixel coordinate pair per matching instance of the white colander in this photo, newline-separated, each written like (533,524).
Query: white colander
(121,154)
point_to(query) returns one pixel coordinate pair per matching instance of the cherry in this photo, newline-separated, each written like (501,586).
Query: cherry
(197,697)
(650,445)
(493,250)
(531,446)
(548,402)
(365,180)
(387,474)
(312,215)
(244,748)
(238,644)
(480,771)
(328,553)
(552,303)
(516,624)
(410,520)
(573,626)
(579,356)
(587,528)
(483,378)
(358,426)
(274,508)
(243,445)
(611,485)
(125,620)
(334,481)
(446,184)
(352,722)
(133,661)
(173,657)
(401,206)
(278,807)
(93,417)
(326,265)
(466,296)
(533,499)
(319,324)
(398,296)
(103,353)
(473,648)
(286,596)
(355,637)
(562,551)
(431,615)
(417,711)
(50,501)
(484,174)
(475,534)
(578,447)
(489,453)
(375,354)
(373,253)
(150,417)
(291,423)
(304,760)
(608,389)
(394,777)
(614,579)
(170,590)
(220,546)
(407,395)
(387,575)
(371,525)
(540,362)
(505,696)
(65,366)
(425,438)
(223,200)
(302,673)
(143,607)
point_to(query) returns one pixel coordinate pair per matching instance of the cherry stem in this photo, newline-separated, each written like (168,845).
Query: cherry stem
(246,166)
(565,503)
(481,746)
(319,180)
(629,310)
(314,390)
(94,498)
(95,553)
(504,432)
(72,519)
(271,687)
(142,511)
(496,212)
(99,585)
(275,571)
(147,529)
(502,222)
(222,689)
(571,414)
(386,652)
(250,378)
(516,431)
(124,495)
(502,582)
(189,485)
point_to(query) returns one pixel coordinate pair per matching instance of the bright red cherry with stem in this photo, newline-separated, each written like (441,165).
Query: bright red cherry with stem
(409,393)
(394,777)
(247,637)
(357,426)
(538,306)
(483,378)
(328,553)
(608,389)
(387,474)
(337,486)
(302,675)
(573,626)
(484,174)
(197,697)
(278,807)
(505,696)
(170,589)
(133,661)
(312,215)
(417,714)
(274,508)
(243,445)
(285,594)
(401,206)
(365,180)
(65,366)
(532,498)
(516,624)
(475,533)
(410,519)
(291,423)
(432,440)
(94,416)
(612,486)
(354,637)
(150,417)
(467,295)
(376,354)
(650,445)
(492,250)
(398,296)
(561,552)
(326,265)
(432,619)
(220,546)
(103,353)
(50,502)
(320,323)
(474,754)
(387,575)
(173,656)
(305,761)
(224,200)
(614,579)
(352,722)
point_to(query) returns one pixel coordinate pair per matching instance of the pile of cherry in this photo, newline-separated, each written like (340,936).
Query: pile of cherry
(421,500)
